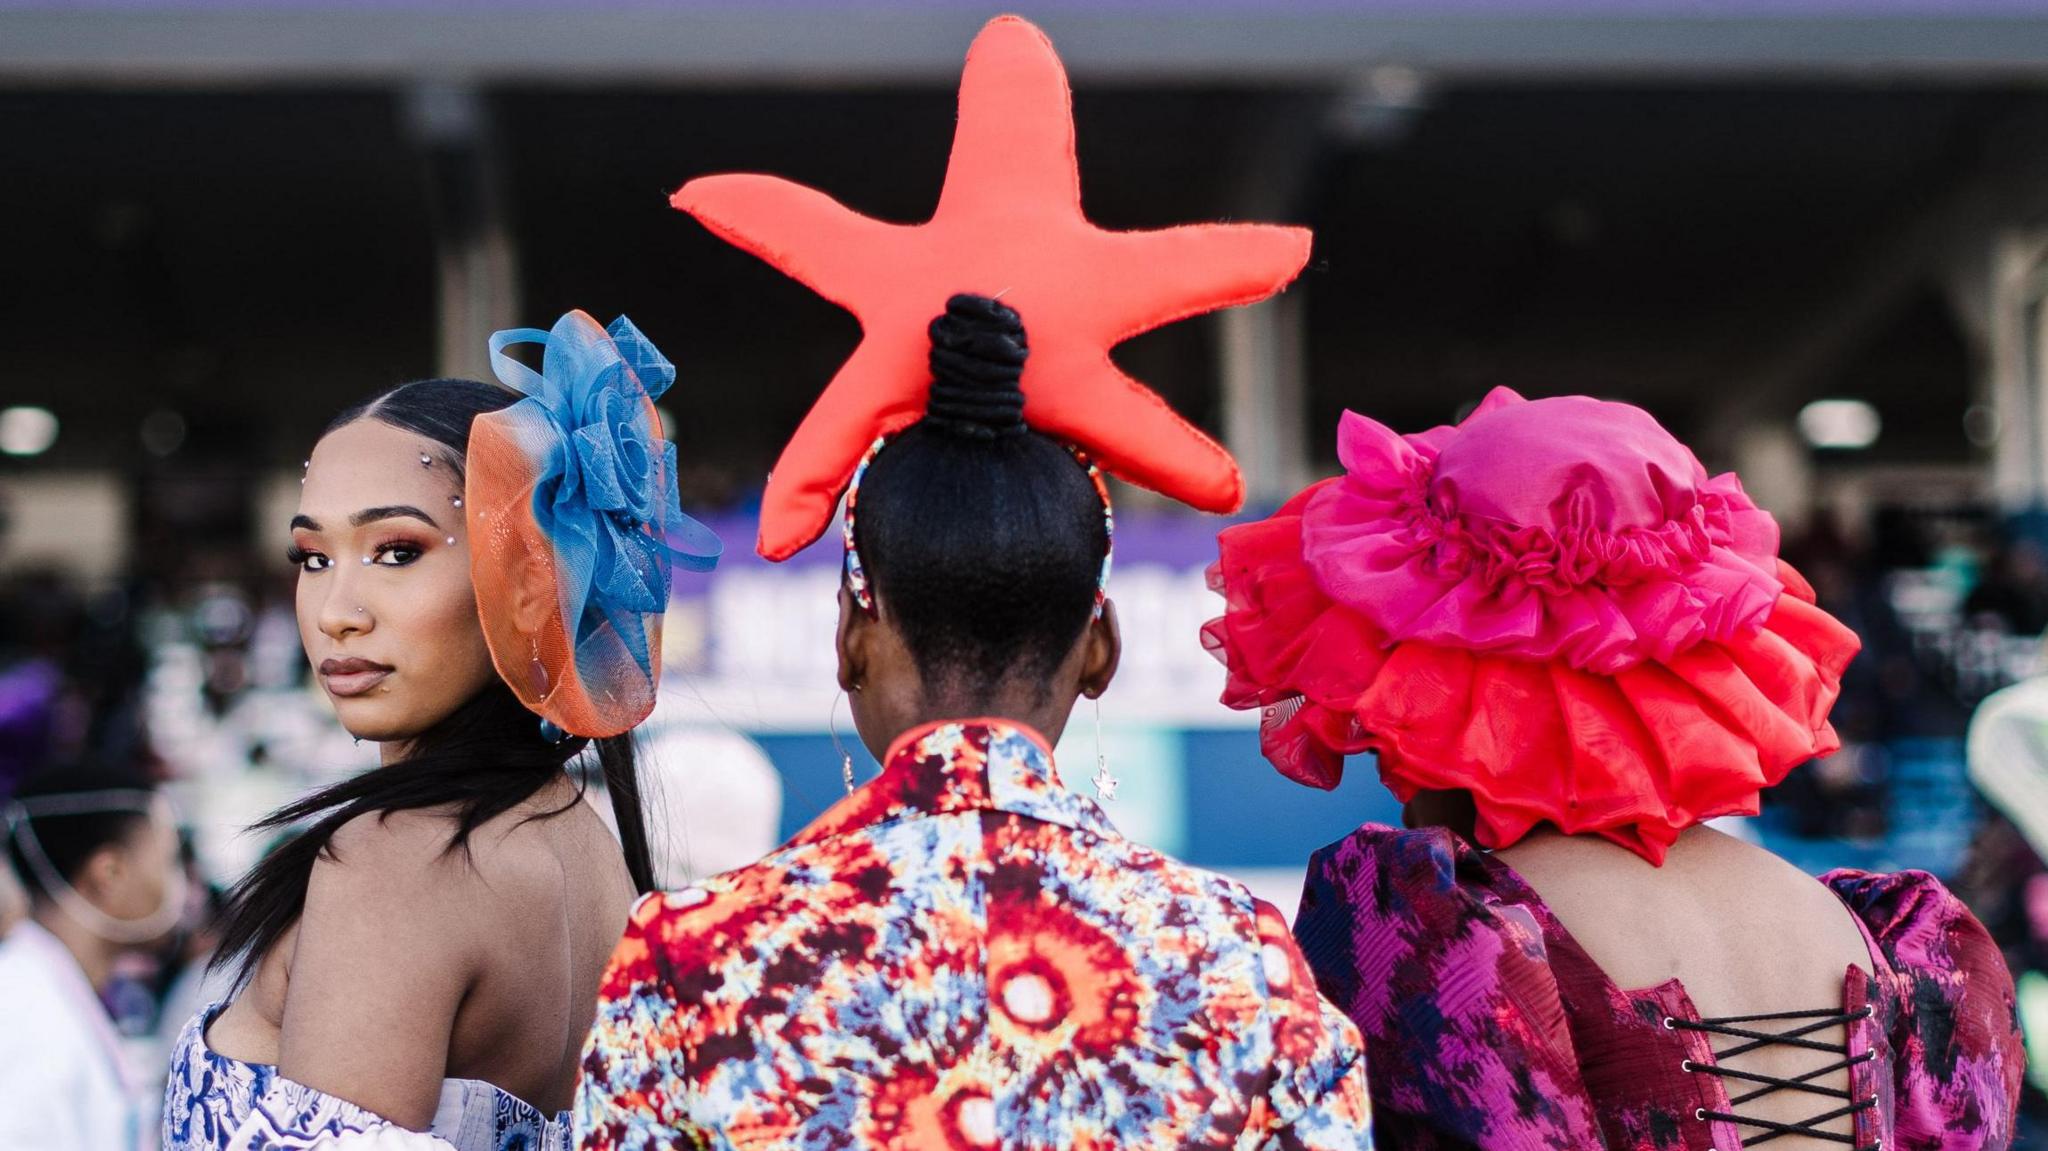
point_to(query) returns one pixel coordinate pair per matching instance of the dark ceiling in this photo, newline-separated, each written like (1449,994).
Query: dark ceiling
(255,259)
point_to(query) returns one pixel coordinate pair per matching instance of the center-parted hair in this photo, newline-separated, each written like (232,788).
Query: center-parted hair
(983,538)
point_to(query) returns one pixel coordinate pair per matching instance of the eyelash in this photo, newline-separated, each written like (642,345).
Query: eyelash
(299,557)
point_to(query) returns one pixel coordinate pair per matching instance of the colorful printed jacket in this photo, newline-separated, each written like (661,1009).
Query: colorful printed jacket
(964,954)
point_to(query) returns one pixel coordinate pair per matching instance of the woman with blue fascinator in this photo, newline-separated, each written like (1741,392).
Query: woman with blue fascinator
(482,575)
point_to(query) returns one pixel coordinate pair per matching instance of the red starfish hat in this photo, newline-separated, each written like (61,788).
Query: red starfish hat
(1009,222)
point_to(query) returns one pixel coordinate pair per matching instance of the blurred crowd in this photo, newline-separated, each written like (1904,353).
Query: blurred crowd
(200,692)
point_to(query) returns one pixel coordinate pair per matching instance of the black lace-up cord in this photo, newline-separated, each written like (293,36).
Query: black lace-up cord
(1815,1021)
(1803,1127)
(1797,1083)
(1769,1038)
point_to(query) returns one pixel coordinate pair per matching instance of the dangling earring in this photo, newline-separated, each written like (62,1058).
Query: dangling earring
(845,757)
(1105,783)
(538,680)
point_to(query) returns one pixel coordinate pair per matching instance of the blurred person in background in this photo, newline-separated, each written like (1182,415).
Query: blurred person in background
(98,852)
(13,902)
(714,799)
(1568,646)
(2012,595)
(2005,874)
(481,583)
(27,695)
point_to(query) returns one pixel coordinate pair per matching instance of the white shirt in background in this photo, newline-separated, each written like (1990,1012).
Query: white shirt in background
(64,1081)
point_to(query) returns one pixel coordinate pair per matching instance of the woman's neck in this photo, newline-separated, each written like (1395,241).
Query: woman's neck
(95,956)
(1042,716)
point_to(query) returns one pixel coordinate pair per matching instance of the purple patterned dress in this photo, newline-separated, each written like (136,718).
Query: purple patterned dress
(1509,1036)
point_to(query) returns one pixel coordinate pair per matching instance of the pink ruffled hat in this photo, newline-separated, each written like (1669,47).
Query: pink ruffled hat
(1551,606)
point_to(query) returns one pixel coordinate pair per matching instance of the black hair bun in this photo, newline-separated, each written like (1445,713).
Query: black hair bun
(978,352)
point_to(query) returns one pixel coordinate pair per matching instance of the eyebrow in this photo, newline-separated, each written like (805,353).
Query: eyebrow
(370,516)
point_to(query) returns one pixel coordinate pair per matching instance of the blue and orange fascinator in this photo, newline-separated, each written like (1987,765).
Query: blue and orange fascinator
(1008,225)
(575,524)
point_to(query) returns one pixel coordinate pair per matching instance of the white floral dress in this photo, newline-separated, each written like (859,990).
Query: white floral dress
(213,1103)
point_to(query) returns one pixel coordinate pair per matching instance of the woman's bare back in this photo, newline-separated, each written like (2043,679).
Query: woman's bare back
(1745,932)
(410,965)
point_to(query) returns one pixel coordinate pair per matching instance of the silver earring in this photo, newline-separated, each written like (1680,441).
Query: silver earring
(456,500)
(1105,783)
(451,541)
(845,757)
(426,461)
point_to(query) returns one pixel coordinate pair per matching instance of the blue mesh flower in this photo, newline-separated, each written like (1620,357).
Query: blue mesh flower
(576,522)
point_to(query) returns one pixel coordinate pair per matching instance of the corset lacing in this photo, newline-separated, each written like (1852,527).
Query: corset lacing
(1793,1037)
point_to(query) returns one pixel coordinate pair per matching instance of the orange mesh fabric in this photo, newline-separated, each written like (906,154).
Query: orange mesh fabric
(574,525)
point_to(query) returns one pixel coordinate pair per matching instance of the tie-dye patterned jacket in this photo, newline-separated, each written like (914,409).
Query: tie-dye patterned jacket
(964,954)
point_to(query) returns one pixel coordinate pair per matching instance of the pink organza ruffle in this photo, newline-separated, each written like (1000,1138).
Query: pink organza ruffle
(1635,756)
(1530,531)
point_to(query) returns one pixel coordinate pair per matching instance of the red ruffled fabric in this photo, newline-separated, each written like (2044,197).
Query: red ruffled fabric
(1636,756)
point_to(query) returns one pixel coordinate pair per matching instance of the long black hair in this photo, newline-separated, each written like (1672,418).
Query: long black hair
(984,537)
(484,759)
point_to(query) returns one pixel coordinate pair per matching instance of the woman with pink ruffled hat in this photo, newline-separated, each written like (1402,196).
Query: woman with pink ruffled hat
(1568,647)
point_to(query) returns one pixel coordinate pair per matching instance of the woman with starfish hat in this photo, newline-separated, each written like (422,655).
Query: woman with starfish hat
(963,952)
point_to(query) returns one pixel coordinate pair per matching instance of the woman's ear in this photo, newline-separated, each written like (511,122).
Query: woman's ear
(1104,643)
(102,872)
(851,641)
(533,591)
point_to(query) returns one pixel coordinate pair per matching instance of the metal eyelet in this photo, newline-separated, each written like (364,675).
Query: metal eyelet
(1700,1113)
(1670,1024)
(1685,1065)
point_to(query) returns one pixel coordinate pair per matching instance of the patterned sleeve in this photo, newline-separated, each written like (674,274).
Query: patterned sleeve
(632,1095)
(1957,1053)
(1319,1100)
(257,1133)
(1453,990)
(289,1116)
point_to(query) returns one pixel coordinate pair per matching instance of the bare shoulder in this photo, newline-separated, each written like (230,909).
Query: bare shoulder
(552,838)
(1698,916)
(1769,888)
(392,869)
(373,851)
